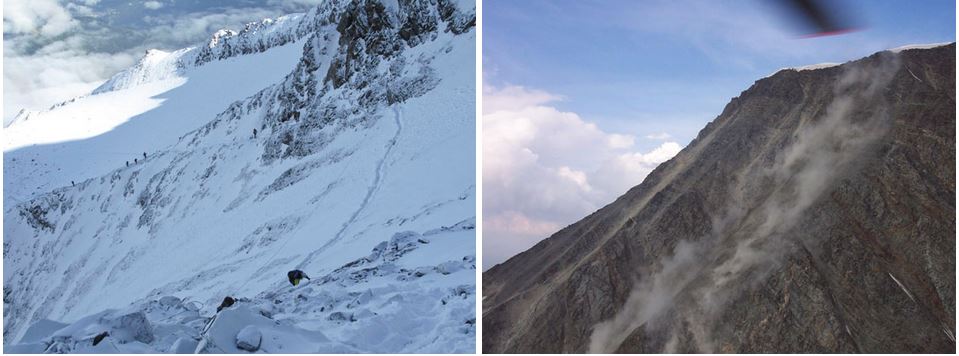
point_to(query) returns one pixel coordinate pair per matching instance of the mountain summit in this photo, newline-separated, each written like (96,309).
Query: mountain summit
(339,142)
(815,214)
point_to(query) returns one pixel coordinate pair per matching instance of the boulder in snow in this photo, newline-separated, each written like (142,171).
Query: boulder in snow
(169,301)
(183,346)
(132,326)
(249,338)
(449,267)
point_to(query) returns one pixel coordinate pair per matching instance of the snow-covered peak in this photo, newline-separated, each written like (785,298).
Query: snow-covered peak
(806,67)
(918,46)
(834,64)
(815,66)
(256,37)
(156,65)
(219,36)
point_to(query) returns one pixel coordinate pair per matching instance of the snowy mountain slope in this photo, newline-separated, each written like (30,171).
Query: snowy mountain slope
(90,136)
(255,37)
(357,307)
(370,135)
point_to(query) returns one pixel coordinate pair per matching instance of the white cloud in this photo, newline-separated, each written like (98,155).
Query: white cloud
(81,10)
(39,81)
(45,18)
(544,168)
(294,5)
(50,56)
(514,98)
(153,5)
(166,29)
(662,136)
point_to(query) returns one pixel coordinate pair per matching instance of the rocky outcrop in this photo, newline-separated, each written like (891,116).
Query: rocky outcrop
(362,59)
(815,214)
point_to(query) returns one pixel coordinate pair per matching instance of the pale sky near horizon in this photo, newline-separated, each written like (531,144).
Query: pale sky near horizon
(583,98)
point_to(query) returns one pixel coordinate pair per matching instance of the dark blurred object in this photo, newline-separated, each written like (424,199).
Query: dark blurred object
(817,17)
(227,302)
(100,337)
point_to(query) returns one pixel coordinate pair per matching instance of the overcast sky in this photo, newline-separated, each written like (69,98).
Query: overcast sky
(56,50)
(582,99)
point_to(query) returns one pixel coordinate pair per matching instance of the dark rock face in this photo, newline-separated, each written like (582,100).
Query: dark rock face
(815,214)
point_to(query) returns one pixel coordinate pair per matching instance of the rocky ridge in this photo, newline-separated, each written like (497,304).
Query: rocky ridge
(815,214)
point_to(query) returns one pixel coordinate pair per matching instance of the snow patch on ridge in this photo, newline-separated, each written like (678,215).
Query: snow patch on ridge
(918,46)
(815,66)
(834,64)
(807,67)
(157,65)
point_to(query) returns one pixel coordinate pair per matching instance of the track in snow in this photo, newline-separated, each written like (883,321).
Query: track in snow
(369,192)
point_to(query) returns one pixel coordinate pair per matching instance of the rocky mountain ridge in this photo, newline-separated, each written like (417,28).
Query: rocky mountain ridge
(815,214)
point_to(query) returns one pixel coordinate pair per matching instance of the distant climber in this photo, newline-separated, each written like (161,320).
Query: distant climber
(254,133)
(227,302)
(144,155)
(128,163)
(295,276)
(73,184)
(100,337)
(134,161)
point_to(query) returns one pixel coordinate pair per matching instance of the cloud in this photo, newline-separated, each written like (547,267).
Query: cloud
(54,52)
(511,98)
(153,5)
(45,18)
(544,168)
(662,136)
(169,29)
(32,81)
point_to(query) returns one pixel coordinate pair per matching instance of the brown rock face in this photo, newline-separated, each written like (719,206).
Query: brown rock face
(815,214)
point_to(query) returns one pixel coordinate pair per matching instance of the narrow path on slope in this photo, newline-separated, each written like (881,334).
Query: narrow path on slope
(369,192)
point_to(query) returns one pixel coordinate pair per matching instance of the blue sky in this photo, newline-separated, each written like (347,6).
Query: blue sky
(645,67)
(582,99)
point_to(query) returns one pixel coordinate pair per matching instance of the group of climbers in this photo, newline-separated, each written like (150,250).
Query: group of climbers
(135,160)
